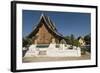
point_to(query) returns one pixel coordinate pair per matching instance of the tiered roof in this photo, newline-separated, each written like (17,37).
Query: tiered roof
(48,23)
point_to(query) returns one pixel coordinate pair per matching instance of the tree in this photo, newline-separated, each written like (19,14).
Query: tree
(68,39)
(76,43)
(26,42)
(72,39)
(87,39)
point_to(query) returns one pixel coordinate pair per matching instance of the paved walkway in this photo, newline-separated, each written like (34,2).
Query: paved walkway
(46,59)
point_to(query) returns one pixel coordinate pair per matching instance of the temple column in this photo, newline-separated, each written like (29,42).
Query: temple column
(53,41)
(35,41)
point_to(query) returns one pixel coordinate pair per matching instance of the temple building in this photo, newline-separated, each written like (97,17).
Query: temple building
(47,41)
(45,32)
(81,41)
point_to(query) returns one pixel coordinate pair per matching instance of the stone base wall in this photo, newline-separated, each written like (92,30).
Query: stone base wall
(52,51)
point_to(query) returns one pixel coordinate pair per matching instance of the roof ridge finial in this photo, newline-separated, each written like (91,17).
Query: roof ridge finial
(43,14)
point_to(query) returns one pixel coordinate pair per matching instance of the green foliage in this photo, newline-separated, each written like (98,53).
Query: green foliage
(68,39)
(26,42)
(76,43)
(88,48)
(83,51)
(87,39)
(72,39)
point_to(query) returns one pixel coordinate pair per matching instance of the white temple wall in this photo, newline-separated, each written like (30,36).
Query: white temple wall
(52,51)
